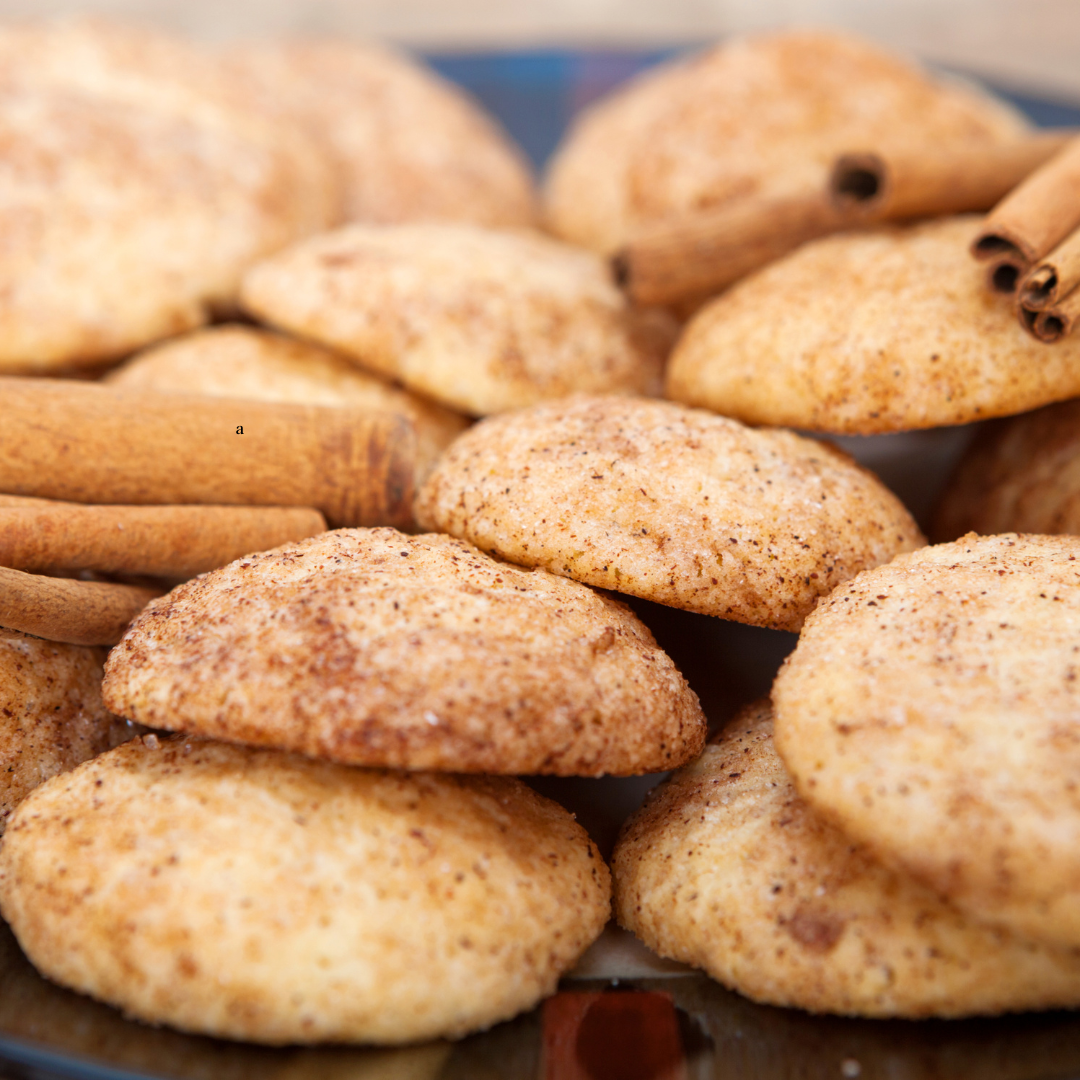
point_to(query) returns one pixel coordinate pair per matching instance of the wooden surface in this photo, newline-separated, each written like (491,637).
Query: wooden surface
(1028,44)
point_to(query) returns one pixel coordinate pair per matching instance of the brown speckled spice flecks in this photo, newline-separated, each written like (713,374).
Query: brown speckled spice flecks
(257,895)
(371,647)
(930,710)
(725,867)
(668,503)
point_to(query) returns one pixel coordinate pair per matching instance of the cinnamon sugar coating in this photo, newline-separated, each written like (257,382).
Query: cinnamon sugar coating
(51,713)
(668,503)
(725,867)
(930,711)
(481,320)
(256,895)
(369,647)
(764,115)
(863,333)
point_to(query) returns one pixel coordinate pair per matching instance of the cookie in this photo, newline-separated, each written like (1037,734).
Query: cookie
(726,868)
(256,895)
(929,711)
(410,146)
(138,188)
(478,319)
(863,333)
(244,362)
(51,715)
(756,116)
(368,647)
(1018,475)
(667,503)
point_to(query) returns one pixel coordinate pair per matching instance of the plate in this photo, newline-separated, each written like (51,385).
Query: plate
(623,1014)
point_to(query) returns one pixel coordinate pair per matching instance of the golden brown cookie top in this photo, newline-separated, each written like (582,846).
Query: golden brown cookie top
(481,320)
(369,647)
(725,867)
(668,503)
(871,332)
(257,895)
(51,714)
(762,115)
(410,146)
(1021,474)
(144,187)
(245,362)
(929,710)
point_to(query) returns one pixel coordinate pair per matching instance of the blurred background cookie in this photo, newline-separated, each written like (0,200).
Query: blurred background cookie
(369,647)
(763,115)
(725,867)
(409,145)
(51,714)
(863,333)
(255,895)
(478,319)
(667,503)
(245,362)
(1019,475)
(929,711)
(137,187)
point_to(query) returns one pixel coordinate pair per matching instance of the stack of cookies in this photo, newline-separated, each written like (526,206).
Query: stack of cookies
(301,819)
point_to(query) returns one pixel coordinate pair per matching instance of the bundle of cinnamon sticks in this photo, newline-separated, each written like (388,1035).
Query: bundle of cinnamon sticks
(685,261)
(177,485)
(1031,242)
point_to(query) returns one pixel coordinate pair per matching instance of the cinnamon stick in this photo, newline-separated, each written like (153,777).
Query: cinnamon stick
(1037,215)
(82,442)
(1057,275)
(75,612)
(151,541)
(1053,323)
(696,256)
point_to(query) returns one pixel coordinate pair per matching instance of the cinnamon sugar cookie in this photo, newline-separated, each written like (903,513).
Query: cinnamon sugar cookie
(930,710)
(725,867)
(369,647)
(409,145)
(667,503)
(478,319)
(250,894)
(764,115)
(869,332)
(51,715)
(243,362)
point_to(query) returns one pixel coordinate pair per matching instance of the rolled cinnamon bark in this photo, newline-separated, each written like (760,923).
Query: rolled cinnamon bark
(82,442)
(1055,276)
(1038,214)
(697,256)
(75,612)
(148,541)
(1053,323)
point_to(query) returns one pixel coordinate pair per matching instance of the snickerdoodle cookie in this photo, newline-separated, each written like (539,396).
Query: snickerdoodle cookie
(764,115)
(51,714)
(863,333)
(138,186)
(668,503)
(409,145)
(244,362)
(725,867)
(256,895)
(369,647)
(1020,474)
(481,320)
(930,710)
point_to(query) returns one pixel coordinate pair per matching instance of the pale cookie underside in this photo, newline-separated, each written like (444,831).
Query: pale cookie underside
(929,710)
(725,867)
(671,504)
(863,333)
(370,647)
(259,896)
